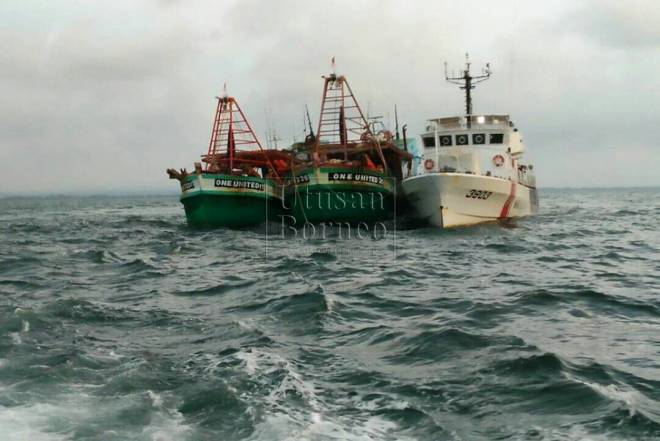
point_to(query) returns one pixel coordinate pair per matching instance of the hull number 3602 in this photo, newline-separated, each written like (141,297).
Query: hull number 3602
(478,194)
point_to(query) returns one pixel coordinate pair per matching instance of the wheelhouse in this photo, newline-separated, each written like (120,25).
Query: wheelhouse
(488,145)
(458,131)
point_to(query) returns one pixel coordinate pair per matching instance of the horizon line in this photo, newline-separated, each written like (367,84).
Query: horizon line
(4,195)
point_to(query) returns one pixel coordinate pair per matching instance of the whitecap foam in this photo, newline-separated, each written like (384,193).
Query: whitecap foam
(250,361)
(156,400)
(257,360)
(313,421)
(613,392)
(314,427)
(30,422)
(54,420)
(247,324)
(16,338)
(635,401)
(168,425)
(573,433)
(330,301)
(114,356)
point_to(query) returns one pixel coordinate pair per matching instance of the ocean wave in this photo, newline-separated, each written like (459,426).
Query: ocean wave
(370,335)
(118,322)
(21,284)
(84,311)
(96,255)
(430,347)
(537,366)
(571,294)
(300,306)
(82,416)
(17,264)
(137,220)
(218,289)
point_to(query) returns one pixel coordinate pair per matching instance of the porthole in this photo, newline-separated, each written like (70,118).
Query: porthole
(461,140)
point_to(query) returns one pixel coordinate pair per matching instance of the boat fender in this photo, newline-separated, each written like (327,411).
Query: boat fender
(428,164)
(498,160)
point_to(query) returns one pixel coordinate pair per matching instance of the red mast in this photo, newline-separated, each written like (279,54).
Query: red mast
(341,122)
(232,135)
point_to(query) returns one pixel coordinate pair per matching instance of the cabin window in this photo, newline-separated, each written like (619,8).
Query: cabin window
(496,138)
(429,141)
(478,138)
(445,140)
(461,140)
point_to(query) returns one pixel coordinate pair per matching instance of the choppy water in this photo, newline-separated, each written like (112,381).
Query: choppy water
(117,322)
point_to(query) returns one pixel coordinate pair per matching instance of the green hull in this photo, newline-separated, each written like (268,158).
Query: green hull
(214,200)
(326,198)
(229,211)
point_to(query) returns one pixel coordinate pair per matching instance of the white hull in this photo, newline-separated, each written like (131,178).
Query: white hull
(457,199)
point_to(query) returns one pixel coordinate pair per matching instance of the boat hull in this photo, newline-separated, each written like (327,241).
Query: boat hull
(216,200)
(455,199)
(339,194)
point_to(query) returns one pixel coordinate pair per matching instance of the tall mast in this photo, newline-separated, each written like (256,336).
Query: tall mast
(230,135)
(311,135)
(467,83)
(341,120)
(396,123)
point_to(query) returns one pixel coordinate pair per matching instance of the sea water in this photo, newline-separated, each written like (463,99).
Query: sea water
(118,322)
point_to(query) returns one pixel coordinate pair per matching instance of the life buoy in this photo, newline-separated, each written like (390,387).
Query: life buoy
(428,164)
(498,160)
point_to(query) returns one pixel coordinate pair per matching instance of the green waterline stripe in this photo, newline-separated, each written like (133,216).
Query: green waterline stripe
(227,193)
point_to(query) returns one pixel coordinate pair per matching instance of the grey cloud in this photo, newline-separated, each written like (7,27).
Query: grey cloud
(95,104)
(623,24)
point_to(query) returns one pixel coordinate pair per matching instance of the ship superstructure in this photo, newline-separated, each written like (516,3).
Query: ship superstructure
(473,169)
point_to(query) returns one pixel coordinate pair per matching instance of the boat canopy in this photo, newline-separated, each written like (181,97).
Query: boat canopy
(459,122)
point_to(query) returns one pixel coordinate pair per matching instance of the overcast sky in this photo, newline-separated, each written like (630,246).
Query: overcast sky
(104,96)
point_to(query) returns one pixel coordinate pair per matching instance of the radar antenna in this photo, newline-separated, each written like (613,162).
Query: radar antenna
(467,83)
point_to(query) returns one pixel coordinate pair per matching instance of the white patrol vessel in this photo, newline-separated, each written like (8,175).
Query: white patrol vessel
(472,169)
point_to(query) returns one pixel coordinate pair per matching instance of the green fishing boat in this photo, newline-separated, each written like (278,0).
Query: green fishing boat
(239,183)
(216,199)
(339,193)
(346,172)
